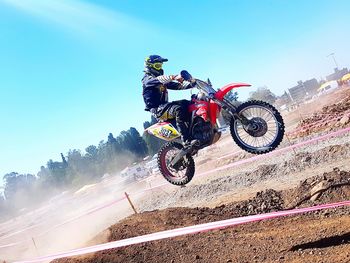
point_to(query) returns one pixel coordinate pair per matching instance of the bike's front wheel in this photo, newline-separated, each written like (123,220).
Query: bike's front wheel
(263,128)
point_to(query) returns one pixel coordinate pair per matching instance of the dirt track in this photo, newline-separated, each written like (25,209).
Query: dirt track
(319,237)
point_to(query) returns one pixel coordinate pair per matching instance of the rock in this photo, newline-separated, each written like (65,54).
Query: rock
(317,190)
(345,120)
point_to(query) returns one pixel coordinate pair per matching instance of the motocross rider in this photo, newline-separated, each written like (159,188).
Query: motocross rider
(155,94)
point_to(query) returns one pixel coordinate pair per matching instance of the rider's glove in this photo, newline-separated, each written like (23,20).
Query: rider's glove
(177,78)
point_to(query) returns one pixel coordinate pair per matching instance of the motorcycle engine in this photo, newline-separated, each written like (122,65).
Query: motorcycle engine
(202,131)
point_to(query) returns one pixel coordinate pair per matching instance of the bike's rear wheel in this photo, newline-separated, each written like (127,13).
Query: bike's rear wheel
(184,170)
(265,128)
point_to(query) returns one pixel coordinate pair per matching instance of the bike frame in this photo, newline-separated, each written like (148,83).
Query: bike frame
(210,110)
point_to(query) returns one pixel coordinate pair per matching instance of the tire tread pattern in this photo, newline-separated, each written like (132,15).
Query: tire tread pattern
(278,117)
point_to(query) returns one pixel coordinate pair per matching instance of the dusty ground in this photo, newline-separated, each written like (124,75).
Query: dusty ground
(319,237)
(307,110)
(331,117)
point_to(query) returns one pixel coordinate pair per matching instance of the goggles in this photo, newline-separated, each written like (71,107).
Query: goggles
(157,65)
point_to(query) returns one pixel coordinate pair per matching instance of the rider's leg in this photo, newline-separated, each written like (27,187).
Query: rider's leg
(179,109)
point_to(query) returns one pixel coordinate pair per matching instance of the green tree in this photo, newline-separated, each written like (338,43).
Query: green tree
(2,205)
(44,176)
(11,184)
(139,145)
(91,152)
(18,188)
(58,173)
(77,164)
(232,96)
(264,94)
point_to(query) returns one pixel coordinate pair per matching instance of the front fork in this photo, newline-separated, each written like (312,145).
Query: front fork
(188,149)
(232,110)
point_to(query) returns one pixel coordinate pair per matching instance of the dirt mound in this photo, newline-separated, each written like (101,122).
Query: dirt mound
(215,188)
(324,188)
(299,239)
(331,117)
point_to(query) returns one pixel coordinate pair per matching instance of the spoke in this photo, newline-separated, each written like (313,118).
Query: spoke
(270,117)
(271,121)
(266,142)
(272,133)
(252,140)
(269,138)
(248,113)
(245,137)
(257,143)
(267,113)
(271,125)
(243,134)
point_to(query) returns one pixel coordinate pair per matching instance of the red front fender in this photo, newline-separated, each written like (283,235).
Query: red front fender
(223,91)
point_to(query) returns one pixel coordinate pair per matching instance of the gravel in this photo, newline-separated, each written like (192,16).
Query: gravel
(206,189)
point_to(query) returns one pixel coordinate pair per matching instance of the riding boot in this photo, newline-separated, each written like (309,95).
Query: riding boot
(182,127)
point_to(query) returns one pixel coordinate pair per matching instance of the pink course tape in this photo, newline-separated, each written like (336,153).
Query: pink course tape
(184,231)
(336,133)
(10,245)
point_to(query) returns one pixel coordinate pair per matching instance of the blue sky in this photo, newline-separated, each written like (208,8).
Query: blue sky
(70,71)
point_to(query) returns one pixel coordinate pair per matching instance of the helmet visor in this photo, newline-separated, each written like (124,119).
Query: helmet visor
(157,65)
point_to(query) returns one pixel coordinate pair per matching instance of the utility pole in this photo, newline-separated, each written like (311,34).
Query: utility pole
(335,62)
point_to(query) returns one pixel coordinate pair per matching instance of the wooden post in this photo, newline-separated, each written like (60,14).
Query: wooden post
(301,117)
(36,248)
(131,204)
(291,144)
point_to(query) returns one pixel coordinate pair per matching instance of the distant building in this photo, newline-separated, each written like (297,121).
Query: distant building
(337,74)
(303,90)
(298,92)
(283,101)
(311,86)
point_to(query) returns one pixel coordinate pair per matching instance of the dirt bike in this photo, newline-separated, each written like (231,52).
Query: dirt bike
(256,127)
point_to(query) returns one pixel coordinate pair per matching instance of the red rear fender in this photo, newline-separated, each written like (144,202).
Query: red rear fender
(224,90)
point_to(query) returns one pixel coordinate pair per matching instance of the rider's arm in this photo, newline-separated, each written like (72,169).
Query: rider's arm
(155,81)
(169,81)
(174,85)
